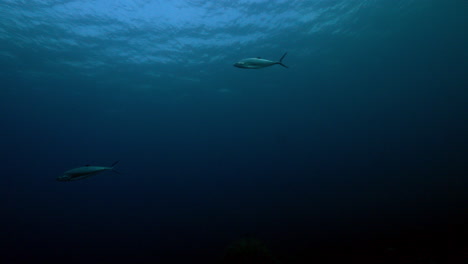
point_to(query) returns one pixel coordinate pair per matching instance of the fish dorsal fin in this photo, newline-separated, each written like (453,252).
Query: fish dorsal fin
(259,57)
(87,165)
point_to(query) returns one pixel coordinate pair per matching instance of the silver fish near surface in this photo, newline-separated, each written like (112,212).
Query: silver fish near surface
(258,63)
(85,172)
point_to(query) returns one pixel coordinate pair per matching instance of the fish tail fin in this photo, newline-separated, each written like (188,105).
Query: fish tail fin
(281,60)
(112,167)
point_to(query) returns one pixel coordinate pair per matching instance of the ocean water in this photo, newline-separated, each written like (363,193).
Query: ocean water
(357,153)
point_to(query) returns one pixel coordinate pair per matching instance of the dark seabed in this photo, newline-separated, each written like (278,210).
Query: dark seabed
(358,153)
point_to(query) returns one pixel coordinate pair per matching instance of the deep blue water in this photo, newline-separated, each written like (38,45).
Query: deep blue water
(357,152)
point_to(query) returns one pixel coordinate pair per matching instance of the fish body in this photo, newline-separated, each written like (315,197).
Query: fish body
(258,63)
(84,172)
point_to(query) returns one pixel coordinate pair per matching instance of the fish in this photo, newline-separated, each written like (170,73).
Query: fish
(258,63)
(85,172)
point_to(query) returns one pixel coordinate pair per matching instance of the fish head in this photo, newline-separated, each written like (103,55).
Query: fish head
(240,64)
(64,177)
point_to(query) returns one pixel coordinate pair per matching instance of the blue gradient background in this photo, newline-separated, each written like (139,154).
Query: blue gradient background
(358,149)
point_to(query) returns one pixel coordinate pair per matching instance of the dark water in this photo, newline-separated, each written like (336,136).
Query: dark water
(355,154)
